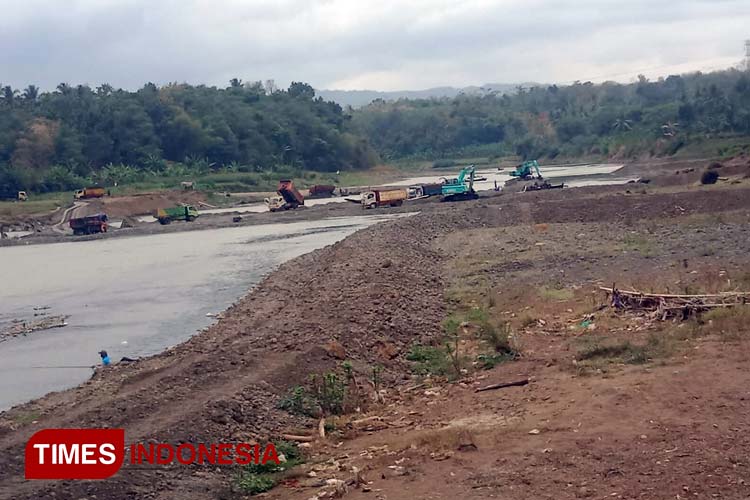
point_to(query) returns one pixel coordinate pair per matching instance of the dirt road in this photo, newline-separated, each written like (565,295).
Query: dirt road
(672,427)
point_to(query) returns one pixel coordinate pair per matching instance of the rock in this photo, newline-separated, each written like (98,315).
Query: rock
(335,349)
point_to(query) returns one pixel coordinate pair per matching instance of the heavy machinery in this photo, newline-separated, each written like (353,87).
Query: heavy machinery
(22,196)
(90,224)
(460,188)
(383,198)
(289,197)
(188,213)
(322,191)
(525,171)
(89,192)
(434,189)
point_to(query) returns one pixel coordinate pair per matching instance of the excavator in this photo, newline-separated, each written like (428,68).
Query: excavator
(460,188)
(524,171)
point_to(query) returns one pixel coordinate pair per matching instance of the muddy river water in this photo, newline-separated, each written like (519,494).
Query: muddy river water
(133,296)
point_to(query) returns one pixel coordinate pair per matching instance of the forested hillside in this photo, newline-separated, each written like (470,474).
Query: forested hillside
(610,119)
(62,139)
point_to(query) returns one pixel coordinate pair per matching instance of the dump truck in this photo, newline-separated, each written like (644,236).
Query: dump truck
(90,224)
(89,192)
(188,213)
(22,196)
(290,196)
(275,203)
(383,198)
(322,191)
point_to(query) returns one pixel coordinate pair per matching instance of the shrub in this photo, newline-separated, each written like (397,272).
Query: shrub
(709,177)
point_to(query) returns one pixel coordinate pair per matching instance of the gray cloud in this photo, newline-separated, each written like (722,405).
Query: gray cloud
(388,44)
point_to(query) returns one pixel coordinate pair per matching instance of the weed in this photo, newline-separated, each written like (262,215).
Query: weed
(730,323)
(549,293)
(451,325)
(252,484)
(477,315)
(527,321)
(498,339)
(640,244)
(329,390)
(624,351)
(490,361)
(258,478)
(376,374)
(25,418)
(299,402)
(428,360)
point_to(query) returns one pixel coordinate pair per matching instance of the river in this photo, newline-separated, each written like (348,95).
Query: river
(134,296)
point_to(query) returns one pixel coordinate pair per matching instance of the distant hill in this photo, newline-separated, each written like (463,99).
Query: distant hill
(359,98)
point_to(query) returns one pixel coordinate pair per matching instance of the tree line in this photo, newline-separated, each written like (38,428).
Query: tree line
(59,140)
(62,139)
(583,119)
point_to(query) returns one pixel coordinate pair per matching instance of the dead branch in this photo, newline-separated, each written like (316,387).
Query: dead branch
(502,386)
(665,306)
(294,437)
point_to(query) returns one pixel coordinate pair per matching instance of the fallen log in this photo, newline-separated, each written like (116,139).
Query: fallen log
(503,385)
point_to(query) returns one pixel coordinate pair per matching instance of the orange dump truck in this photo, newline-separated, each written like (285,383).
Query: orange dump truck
(383,198)
(89,192)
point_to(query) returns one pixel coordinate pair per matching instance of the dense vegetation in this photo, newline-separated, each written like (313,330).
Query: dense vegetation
(610,119)
(75,135)
(63,139)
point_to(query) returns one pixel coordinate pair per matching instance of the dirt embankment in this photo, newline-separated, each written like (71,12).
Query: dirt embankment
(367,299)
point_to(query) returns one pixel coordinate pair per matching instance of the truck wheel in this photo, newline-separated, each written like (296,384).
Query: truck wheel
(373,205)
(165,220)
(190,218)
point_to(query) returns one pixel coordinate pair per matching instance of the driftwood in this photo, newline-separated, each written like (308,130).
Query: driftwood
(322,427)
(294,437)
(665,306)
(502,386)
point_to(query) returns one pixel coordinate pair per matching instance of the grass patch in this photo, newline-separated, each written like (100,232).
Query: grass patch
(35,206)
(625,352)
(549,293)
(598,353)
(259,478)
(729,323)
(429,360)
(638,243)
(25,418)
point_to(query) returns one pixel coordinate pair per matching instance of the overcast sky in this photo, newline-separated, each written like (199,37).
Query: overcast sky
(353,44)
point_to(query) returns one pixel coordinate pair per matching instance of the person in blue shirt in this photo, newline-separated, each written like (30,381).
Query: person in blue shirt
(105,358)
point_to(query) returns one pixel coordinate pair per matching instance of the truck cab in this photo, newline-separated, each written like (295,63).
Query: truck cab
(275,203)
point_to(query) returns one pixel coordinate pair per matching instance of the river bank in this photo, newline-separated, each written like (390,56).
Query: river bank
(47,228)
(367,300)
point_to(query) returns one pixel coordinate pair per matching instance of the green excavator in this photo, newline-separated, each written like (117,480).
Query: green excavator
(460,188)
(525,171)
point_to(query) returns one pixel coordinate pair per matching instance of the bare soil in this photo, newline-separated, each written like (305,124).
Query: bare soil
(672,426)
